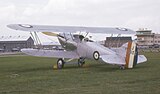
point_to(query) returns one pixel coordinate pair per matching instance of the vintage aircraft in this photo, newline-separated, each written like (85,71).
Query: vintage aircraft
(77,46)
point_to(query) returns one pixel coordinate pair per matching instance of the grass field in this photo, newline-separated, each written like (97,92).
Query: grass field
(34,75)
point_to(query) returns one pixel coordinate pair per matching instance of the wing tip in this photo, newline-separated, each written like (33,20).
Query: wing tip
(11,26)
(22,27)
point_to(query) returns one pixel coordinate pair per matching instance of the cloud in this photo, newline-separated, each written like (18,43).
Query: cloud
(144,22)
(102,13)
(122,13)
(6,13)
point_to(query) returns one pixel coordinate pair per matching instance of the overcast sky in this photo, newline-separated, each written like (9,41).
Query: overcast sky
(132,14)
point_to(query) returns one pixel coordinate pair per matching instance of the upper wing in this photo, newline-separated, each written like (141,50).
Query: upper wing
(50,53)
(71,29)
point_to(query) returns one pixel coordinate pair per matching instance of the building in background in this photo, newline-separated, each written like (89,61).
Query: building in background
(15,43)
(52,45)
(116,41)
(145,38)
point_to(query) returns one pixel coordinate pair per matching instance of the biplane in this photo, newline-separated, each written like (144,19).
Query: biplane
(78,46)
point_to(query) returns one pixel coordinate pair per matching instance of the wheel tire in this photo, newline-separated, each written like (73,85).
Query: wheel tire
(60,63)
(122,67)
(96,55)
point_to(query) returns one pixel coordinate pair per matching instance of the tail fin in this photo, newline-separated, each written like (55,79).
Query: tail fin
(131,55)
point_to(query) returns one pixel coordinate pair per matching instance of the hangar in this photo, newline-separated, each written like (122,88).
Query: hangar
(15,43)
(116,41)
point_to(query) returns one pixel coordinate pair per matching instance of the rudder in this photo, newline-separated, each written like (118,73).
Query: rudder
(131,55)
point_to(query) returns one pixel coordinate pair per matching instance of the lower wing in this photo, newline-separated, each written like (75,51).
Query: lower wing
(50,53)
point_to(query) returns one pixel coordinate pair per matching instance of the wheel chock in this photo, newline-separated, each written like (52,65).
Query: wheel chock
(54,66)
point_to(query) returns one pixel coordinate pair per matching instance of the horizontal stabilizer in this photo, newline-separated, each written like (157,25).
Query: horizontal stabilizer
(50,53)
(141,59)
(113,59)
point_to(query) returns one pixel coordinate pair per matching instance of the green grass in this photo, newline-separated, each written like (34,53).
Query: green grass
(34,75)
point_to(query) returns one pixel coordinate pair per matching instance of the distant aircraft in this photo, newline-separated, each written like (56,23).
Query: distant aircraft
(77,46)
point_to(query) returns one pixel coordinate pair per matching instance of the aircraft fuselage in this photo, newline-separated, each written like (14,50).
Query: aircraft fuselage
(84,47)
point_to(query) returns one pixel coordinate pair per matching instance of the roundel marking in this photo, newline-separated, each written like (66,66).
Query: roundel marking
(96,55)
(25,25)
(122,29)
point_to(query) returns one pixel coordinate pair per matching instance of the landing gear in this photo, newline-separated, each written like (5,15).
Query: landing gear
(81,62)
(60,63)
(122,67)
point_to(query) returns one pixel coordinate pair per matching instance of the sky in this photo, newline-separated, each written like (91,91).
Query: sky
(133,14)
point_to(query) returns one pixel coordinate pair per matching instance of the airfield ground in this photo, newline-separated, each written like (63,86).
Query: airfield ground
(34,75)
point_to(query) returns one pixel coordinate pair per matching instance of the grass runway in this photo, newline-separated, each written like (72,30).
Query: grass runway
(35,75)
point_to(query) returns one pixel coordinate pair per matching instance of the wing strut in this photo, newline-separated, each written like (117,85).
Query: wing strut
(86,34)
(36,38)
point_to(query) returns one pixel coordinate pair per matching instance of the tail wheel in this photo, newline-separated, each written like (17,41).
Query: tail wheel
(81,62)
(122,67)
(60,63)
(96,55)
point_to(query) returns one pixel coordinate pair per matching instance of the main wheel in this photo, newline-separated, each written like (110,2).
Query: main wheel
(81,62)
(60,63)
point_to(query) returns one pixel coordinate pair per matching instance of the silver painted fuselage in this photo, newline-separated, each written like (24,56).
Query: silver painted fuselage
(83,47)
(86,49)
